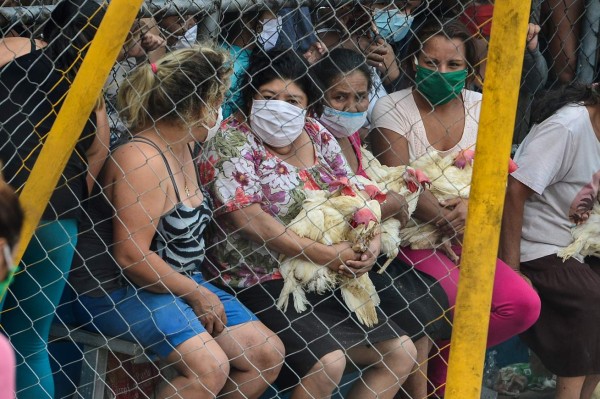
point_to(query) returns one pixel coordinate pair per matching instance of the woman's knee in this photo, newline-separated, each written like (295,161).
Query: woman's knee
(202,362)
(524,310)
(326,374)
(515,299)
(399,355)
(267,357)
(253,348)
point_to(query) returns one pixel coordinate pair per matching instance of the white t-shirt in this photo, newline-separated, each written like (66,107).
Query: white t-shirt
(377,92)
(559,160)
(399,113)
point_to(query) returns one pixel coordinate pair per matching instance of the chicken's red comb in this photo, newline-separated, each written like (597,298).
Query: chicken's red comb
(344,185)
(512,166)
(463,158)
(375,193)
(362,216)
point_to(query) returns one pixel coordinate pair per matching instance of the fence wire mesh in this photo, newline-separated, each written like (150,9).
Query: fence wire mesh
(339,118)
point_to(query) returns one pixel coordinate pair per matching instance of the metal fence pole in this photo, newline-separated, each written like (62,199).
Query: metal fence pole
(472,313)
(74,113)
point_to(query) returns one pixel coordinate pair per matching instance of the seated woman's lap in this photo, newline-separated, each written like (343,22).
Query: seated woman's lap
(157,322)
(515,305)
(326,326)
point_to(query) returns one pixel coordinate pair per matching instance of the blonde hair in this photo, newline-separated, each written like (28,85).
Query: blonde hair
(177,88)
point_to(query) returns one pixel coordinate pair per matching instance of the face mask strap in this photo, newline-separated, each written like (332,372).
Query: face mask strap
(8,259)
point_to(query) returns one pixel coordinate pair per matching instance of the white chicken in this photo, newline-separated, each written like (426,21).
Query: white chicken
(331,218)
(450,178)
(404,180)
(586,237)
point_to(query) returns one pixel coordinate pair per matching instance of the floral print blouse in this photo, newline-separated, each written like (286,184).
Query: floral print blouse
(239,171)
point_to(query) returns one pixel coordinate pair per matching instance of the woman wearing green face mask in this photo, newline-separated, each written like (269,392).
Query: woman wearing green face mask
(438,113)
(11,221)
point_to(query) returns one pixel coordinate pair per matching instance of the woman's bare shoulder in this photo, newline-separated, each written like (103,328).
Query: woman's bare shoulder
(14,47)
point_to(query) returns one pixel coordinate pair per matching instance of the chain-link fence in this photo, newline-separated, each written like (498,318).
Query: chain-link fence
(317,233)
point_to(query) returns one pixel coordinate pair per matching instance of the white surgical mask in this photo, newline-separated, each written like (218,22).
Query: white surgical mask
(188,39)
(342,123)
(270,33)
(212,131)
(277,123)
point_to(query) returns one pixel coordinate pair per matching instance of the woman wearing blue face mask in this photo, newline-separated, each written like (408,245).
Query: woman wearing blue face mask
(394,19)
(410,298)
(439,114)
(242,34)
(258,169)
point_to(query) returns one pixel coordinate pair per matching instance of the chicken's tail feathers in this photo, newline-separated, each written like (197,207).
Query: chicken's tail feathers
(568,252)
(300,300)
(284,295)
(385,265)
(362,305)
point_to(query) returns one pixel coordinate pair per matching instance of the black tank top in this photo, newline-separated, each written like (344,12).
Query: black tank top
(178,240)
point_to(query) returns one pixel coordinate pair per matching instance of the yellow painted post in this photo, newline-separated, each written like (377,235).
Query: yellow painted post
(500,95)
(74,113)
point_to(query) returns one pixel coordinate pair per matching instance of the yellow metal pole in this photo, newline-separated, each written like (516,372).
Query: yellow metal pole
(74,112)
(500,95)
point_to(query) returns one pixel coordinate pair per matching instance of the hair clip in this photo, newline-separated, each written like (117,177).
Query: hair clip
(154,68)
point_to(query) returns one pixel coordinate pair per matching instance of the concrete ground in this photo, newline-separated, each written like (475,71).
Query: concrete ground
(531,395)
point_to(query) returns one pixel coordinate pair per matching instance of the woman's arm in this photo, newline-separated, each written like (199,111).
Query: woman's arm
(260,227)
(512,222)
(98,151)
(138,188)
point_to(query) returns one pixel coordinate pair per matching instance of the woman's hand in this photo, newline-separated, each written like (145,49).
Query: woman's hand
(356,268)
(339,254)
(209,309)
(315,52)
(533,31)
(380,54)
(453,222)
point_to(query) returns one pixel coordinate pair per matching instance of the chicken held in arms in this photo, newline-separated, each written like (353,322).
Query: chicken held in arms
(450,178)
(347,214)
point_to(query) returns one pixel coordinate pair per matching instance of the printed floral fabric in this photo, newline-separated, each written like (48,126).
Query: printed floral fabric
(239,171)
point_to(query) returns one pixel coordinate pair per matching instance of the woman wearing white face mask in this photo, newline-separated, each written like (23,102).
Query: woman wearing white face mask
(242,34)
(263,163)
(11,221)
(138,269)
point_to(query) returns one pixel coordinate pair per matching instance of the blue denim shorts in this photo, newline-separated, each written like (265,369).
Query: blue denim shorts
(157,322)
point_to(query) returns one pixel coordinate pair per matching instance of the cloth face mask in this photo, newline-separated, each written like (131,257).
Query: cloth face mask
(342,123)
(277,123)
(440,87)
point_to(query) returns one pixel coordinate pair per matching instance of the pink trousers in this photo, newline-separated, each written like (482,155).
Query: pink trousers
(7,369)
(515,305)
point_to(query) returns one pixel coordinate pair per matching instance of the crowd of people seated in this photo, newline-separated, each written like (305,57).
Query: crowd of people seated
(175,212)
